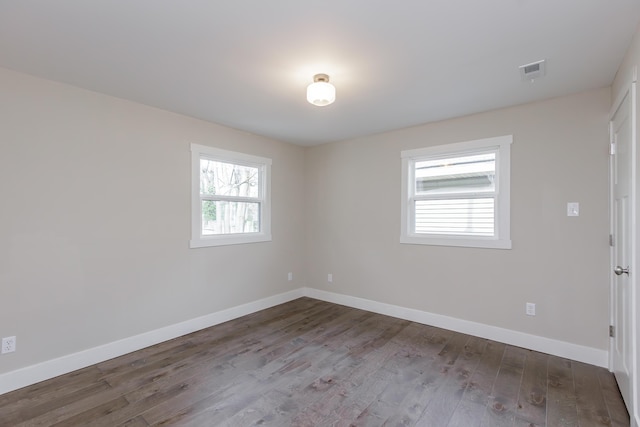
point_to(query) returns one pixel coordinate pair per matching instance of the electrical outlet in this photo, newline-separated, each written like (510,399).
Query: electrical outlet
(8,345)
(290,276)
(330,278)
(531,309)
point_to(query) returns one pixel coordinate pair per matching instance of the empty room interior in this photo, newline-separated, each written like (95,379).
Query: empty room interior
(193,232)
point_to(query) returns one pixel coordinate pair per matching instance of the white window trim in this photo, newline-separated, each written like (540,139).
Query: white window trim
(264,164)
(502,239)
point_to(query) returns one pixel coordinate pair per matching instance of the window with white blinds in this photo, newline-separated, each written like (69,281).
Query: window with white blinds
(457,194)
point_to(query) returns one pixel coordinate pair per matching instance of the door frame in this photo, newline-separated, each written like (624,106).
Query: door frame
(629,89)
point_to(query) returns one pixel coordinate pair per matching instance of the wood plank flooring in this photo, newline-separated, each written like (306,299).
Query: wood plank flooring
(312,363)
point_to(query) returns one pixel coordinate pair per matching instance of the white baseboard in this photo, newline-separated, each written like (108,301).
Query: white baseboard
(567,350)
(52,368)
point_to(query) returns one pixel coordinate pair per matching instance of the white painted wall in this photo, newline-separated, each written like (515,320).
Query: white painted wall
(559,155)
(95,221)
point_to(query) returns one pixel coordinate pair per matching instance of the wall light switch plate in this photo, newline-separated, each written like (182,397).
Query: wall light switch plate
(530,309)
(573,209)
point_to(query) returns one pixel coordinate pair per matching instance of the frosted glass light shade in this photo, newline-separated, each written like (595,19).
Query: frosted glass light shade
(321,92)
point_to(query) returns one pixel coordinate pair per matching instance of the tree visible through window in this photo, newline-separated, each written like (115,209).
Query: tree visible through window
(231,197)
(226,190)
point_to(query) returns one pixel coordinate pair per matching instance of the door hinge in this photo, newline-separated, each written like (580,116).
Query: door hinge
(611,241)
(612,331)
(612,148)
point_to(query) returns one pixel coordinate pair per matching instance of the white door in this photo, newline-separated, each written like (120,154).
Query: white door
(621,160)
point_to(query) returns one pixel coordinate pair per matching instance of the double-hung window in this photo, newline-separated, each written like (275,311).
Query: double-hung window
(230,197)
(457,194)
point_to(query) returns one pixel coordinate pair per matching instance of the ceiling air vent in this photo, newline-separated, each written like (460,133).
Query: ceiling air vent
(532,71)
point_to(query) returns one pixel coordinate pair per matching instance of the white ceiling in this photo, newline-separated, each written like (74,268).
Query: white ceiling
(246,63)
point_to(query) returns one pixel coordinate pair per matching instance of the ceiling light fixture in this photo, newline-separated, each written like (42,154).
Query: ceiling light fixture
(321,92)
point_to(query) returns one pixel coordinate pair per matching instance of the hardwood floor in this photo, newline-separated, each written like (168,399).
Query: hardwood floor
(312,363)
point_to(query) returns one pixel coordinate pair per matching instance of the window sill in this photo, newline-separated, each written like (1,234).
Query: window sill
(231,239)
(458,242)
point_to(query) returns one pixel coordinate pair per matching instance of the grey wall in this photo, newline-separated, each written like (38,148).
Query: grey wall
(95,221)
(559,155)
(625,71)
